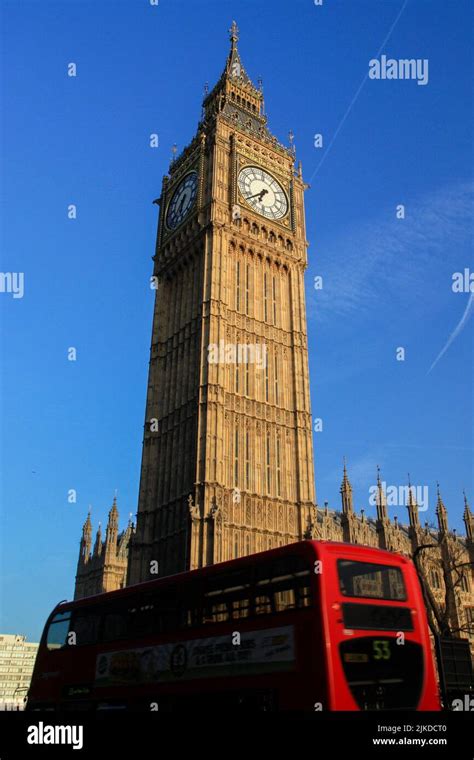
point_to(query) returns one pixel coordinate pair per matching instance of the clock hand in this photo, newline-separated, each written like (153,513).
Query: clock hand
(258,195)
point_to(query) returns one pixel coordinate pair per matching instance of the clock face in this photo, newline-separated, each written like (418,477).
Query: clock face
(182,201)
(262,192)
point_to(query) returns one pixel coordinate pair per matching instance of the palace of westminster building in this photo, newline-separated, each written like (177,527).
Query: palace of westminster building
(227,463)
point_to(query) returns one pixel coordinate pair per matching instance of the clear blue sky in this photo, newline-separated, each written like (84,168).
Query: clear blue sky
(387,282)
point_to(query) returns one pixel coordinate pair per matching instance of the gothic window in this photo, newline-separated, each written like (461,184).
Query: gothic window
(237,376)
(275,377)
(268,464)
(246,378)
(278,467)
(266,381)
(236,544)
(464,583)
(247,289)
(265,297)
(236,457)
(274,303)
(237,285)
(435,581)
(247,460)
(247,545)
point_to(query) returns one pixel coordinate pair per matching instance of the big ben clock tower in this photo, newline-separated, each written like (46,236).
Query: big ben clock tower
(227,464)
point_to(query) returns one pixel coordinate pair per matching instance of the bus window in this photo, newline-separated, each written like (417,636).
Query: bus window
(141,619)
(58,630)
(285,599)
(263,604)
(366,579)
(85,626)
(114,626)
(241,607)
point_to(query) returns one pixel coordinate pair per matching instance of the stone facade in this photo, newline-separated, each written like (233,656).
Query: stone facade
(105,567)
(227,465)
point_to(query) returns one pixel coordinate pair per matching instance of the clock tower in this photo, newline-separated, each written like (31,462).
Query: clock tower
(227,463)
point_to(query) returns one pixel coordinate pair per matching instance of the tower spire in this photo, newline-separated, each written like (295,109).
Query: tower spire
(381,500)
(111,534)
(346,492)
(468,518)
(441,512)
(86,540)
(98,542)
(412,507)
(234,35)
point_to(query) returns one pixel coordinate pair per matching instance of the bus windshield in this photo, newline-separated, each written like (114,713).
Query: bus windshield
(368,580)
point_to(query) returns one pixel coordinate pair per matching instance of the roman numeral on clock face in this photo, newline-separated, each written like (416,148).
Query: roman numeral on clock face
(262,192)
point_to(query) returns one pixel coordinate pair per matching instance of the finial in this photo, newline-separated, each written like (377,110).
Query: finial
(206,89)
(174,150)
(378,475)
(344,463)
(90,510)
(291,138)
(409,481)
(466,505)
(234,34)
(260,84)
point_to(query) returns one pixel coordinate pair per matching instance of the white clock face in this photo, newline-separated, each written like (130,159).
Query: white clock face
(182,201)
(262,192)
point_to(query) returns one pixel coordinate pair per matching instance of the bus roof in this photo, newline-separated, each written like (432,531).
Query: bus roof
(314,549)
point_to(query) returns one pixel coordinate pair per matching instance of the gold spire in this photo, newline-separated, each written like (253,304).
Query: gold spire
(234,34)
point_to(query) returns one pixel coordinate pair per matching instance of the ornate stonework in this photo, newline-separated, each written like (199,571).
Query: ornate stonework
(226,280)
(105,567)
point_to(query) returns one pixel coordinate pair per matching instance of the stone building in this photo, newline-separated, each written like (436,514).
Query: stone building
(103,568)
(227,461)
(227,464)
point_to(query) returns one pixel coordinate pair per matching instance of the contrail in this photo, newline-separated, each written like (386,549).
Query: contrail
(467,313)
(341,123)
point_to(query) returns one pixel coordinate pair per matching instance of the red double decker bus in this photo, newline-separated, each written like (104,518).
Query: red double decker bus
(314,625)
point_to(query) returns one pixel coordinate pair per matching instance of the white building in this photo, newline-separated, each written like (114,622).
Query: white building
(17,660)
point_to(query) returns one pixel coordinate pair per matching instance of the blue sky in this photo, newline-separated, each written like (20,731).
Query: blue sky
(387,282)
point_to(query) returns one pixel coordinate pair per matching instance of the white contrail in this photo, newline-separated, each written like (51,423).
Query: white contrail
(467,313)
